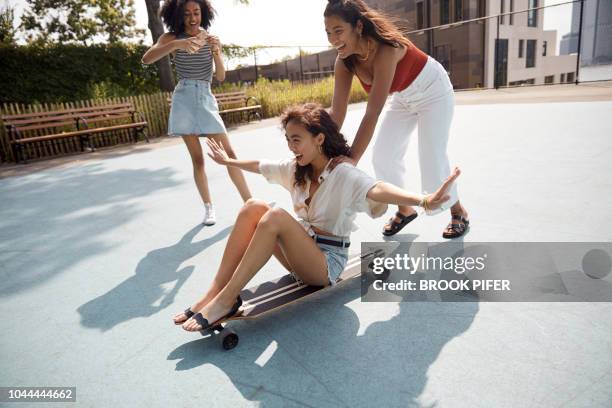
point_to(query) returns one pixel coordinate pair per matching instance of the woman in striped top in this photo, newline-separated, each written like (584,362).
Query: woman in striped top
(194,110)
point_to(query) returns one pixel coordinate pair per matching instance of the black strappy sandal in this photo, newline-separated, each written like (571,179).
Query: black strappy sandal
(397,226)
(189,313)
(458,229)
(205,325)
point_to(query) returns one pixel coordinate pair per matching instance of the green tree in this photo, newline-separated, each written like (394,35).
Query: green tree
(80,21)
(7,31)
(166,80)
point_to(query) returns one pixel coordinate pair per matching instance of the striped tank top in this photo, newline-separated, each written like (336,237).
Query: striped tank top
(194,66)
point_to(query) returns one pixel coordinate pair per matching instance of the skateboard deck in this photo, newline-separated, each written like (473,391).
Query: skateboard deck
(272,295)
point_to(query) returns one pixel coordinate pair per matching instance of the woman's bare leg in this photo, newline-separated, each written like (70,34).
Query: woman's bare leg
(234,173)
(236,246)
(197,159)
(303,255)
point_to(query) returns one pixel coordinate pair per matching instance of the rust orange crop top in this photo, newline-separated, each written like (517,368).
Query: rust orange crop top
(408,68)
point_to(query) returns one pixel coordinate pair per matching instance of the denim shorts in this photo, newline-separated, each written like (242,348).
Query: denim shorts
(336,260)
(194,110)
(335,256)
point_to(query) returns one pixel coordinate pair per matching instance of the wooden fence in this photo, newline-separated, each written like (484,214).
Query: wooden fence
(154,107)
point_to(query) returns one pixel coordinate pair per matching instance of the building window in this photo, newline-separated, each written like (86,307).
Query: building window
(442,54)
(532,15)
(531,53)
(458,10)
(444,11)
(562,80)
(511,16)
(570,77)
(549,79)
(502,10)
(521,48)
(544,44)
(420,16)
(530,81)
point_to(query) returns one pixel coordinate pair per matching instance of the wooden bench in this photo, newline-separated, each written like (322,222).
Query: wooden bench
(81,123)
(237,103)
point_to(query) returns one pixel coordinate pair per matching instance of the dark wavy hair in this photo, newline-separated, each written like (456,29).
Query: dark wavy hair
(172,14)
(315,120)
(377,25)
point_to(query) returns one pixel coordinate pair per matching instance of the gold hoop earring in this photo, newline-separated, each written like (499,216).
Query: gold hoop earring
(320,149)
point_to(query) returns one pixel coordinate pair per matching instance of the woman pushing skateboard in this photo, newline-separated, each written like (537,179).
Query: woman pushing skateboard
(371,47)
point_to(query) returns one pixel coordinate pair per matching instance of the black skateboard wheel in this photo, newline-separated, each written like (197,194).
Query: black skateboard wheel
(229,339)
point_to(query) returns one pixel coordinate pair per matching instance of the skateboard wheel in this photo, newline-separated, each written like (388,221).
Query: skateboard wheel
(385,274)
(229,339)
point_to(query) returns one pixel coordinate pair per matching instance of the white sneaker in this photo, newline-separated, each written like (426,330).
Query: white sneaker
(209,215)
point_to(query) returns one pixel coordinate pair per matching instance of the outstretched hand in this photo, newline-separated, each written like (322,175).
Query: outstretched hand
(435,200)
(219,155)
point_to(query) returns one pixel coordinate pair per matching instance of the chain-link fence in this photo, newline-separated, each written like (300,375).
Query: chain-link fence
(482,44)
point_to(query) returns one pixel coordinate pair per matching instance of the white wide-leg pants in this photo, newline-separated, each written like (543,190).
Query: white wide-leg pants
(429,103)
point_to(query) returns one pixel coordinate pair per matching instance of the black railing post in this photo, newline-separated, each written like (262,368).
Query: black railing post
(433,44)
(579,41)
(301,66)
(255,57)
(496,56)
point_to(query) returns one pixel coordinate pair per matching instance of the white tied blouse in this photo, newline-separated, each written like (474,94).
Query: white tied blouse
(335,204)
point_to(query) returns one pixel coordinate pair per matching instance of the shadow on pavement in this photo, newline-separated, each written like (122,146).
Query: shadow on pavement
(143,294)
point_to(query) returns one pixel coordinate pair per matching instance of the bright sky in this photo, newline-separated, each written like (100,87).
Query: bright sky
(288,22)
(262,22)
(276,22)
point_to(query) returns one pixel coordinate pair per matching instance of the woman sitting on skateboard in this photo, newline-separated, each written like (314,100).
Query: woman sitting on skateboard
(315,246)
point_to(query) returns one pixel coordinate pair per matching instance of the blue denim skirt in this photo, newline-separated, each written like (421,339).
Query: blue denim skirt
(194,110)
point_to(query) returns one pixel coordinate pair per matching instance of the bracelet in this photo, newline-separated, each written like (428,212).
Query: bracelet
(423,202)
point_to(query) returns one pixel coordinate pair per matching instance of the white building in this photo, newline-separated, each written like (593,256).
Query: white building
(527,53)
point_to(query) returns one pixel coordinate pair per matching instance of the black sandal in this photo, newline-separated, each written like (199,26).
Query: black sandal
(205,325)
(397,226)
(189,313)
(458,229)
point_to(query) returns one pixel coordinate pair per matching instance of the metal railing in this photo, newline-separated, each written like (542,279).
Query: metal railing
(478,51)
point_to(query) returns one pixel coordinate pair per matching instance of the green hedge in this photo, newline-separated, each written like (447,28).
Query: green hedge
(31,74)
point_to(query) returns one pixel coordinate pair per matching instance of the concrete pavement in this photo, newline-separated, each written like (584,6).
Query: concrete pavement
(96,257)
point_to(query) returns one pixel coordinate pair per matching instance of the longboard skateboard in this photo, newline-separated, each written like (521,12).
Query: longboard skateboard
(273,295)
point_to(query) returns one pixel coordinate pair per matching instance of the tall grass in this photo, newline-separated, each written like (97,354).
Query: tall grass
(275,96)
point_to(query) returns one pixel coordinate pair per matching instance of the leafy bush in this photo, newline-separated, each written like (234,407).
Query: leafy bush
(275,96)
(59,73)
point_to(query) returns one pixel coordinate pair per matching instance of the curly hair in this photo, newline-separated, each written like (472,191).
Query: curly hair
(172,14)
(377,25)
(315,120)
